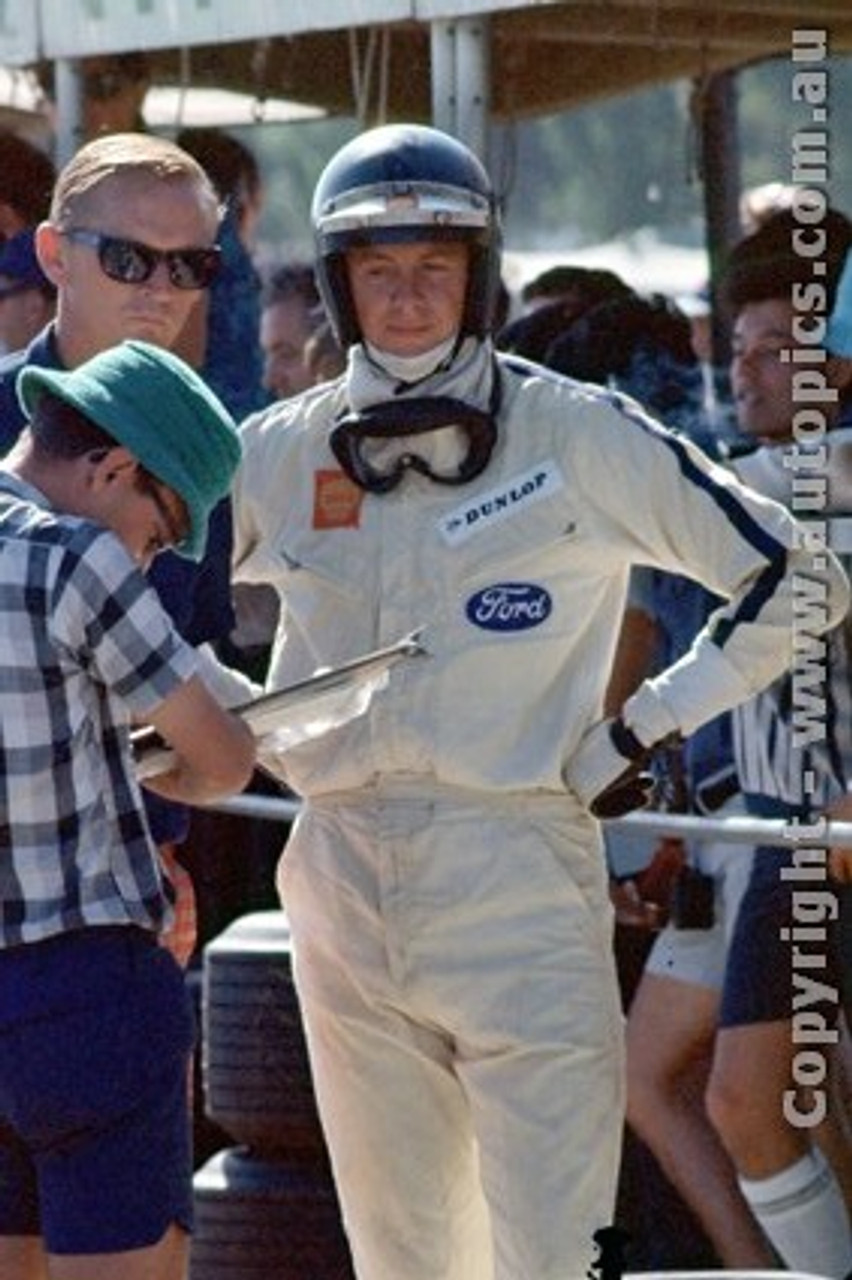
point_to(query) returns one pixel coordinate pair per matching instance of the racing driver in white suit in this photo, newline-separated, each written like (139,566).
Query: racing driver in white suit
(444,881)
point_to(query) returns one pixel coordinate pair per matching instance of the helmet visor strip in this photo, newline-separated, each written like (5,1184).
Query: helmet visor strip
(405,205)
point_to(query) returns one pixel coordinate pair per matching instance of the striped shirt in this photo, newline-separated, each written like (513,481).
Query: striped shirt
(84,645)
(793,741)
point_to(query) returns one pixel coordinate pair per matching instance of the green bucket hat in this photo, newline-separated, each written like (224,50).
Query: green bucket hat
(155,405)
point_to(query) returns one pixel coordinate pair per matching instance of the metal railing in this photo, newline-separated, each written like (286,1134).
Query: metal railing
(736,829)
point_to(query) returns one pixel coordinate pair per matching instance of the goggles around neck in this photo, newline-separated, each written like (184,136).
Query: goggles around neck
(406,420)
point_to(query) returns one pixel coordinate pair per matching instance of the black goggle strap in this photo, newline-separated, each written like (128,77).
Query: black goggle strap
(401,419)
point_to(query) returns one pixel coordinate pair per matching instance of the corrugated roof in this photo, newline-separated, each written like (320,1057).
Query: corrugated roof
(347,55)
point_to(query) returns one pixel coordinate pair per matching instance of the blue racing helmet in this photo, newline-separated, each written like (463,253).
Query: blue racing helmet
(404,183)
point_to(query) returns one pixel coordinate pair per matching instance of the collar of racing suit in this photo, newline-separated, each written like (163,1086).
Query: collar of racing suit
(447,450)
(468,377)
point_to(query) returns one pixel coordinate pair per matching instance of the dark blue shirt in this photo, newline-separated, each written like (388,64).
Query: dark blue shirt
(233,359)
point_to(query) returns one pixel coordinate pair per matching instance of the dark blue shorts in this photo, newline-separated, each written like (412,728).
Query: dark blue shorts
(771,951)
(96,1032)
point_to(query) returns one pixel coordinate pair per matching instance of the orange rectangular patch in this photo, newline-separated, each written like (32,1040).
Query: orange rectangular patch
(337,501)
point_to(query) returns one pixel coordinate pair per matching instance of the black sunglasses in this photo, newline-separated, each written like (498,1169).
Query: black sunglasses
(130,262)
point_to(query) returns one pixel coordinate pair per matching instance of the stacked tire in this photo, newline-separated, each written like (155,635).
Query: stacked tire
(266,1209)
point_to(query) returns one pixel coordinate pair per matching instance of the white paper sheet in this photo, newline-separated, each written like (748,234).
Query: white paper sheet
(300,712)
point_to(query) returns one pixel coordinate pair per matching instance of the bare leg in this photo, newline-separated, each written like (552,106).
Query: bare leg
(834,1135)
(22,1258)
(166,1260)
(752,1068)
(792,1190)
(670,1029)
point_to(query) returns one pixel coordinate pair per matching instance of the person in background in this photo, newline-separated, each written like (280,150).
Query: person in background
(794,764)
(673,1016)
(130,245)
(222,338)
(570,283)
(839,340)
(114,87)
(717,406)
(444,881)
(230,857)
(27,176)
(324,357)
(644,347)
(553,301)
(27,297)
(123,456)
(291,311)
(733,971)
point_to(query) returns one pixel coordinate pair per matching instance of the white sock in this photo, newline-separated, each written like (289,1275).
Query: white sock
(803,1214)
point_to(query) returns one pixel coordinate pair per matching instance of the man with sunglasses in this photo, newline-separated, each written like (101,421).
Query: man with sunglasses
(130,244)
(444,881)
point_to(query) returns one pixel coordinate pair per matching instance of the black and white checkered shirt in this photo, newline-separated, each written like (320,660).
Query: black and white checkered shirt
(84,645)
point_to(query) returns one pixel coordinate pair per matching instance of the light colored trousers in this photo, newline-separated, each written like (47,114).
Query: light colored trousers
(452,952)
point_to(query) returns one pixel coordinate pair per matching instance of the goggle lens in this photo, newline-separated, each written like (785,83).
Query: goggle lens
(403,419)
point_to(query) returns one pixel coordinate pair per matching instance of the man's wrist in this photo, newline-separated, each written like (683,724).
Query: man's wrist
(607,770)
(648,716)
(626,742)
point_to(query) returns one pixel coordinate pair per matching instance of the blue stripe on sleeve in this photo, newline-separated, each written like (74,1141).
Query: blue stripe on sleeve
(773,551)
(750,530)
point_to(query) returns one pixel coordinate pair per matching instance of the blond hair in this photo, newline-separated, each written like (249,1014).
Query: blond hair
(115,155)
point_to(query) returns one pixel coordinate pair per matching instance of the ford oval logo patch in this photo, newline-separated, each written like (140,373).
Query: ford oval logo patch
(509,606)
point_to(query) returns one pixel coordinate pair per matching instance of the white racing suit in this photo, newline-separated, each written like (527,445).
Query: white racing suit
(445,887)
